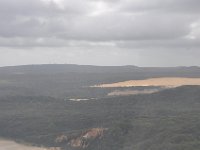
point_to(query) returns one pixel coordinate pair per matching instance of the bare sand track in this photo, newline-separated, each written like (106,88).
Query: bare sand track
(10,145)
(132,92)
(163,82)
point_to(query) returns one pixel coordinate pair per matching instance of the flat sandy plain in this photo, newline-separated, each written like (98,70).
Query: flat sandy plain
(162,82)
(10,145)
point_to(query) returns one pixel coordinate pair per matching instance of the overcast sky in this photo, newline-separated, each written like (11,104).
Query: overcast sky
(100,32)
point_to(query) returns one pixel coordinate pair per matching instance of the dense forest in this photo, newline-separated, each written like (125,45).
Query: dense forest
(165,120)
(35,108)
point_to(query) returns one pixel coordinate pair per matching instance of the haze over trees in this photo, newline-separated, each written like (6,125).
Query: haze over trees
(35,108)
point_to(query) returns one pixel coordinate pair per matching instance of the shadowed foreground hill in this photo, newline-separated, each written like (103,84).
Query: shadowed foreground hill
(168,120)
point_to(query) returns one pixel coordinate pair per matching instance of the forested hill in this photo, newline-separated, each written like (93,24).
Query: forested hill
(165,120)
(72,68)
(70,80)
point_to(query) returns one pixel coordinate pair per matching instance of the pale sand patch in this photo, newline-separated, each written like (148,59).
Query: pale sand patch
(10,145)
(132,92)
(164,82)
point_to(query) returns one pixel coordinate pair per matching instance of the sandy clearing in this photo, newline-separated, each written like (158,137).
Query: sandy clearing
(164,82)
(132,92)
(10,145)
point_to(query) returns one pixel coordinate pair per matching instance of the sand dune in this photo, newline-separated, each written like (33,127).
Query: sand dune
(164,82)
(10,145)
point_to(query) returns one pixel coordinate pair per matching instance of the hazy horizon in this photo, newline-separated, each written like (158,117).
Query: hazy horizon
(96,65)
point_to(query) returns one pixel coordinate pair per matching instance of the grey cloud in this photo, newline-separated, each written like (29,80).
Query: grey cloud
(175,44)
(16,8)
(122,27)
(101,28)
(36,18)
(40,8)
(167,6)
(39,19)
(132,27)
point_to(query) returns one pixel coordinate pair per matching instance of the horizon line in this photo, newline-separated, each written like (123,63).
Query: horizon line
(43,64)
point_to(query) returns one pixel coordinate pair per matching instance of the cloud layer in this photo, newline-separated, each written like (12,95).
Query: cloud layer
(115,25)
